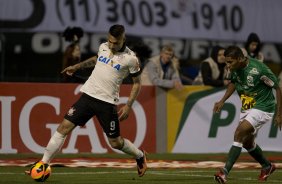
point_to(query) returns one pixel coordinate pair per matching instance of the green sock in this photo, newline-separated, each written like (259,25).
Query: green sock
(256,153)
(233,155)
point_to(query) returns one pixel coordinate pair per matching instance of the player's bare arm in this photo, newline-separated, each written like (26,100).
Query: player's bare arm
(124,111)
(229,91)
(88,63)
(278,117)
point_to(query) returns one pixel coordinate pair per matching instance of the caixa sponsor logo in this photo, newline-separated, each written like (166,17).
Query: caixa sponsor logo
(109,62)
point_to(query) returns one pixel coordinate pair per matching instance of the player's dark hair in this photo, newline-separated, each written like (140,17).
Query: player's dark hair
(233,52)
(117,30)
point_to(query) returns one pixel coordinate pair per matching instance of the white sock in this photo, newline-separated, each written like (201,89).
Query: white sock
(55,144)
(130,149)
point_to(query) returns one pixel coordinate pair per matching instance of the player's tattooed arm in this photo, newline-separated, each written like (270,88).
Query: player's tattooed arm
(90,62)
(124,111)
(134,91)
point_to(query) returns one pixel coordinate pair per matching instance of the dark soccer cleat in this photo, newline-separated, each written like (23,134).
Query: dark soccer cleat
(220,177)
(142,164)
(265,173)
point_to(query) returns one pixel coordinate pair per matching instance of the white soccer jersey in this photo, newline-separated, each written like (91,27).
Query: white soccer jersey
(109,72)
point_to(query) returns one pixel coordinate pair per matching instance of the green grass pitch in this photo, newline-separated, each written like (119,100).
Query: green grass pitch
(63,175)
(83,175)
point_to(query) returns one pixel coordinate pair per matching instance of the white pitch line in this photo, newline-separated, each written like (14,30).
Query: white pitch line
(148,172)
(185,173)
(205,176)
(233,171)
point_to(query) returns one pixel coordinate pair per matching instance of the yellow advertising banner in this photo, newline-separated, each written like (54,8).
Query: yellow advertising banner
(175,104)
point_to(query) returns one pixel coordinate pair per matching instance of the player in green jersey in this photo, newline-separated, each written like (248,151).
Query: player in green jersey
(254,83)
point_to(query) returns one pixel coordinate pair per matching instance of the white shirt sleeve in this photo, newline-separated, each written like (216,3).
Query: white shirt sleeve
(134,65)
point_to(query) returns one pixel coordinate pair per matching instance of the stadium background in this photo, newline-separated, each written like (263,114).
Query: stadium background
(32,99)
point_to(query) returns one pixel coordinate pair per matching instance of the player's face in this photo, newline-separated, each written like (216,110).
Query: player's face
(220,56)
(166,56)
(115,44)
(233,64)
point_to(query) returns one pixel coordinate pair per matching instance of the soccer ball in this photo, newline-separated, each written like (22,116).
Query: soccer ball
(40,171)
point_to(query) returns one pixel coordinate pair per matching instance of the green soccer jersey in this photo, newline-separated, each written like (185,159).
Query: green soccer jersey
(254,85)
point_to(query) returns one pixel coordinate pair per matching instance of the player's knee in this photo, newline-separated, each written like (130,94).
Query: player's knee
(65,127)
(239,136)
(116,144)
(249,144)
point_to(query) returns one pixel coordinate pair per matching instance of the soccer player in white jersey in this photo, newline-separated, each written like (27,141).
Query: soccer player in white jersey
(100,95)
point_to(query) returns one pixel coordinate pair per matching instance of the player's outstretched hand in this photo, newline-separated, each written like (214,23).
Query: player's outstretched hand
(124,112)
(70,69)
(278,121)
(217,107)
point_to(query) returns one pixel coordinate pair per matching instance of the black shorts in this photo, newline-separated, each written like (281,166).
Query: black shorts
(86,107)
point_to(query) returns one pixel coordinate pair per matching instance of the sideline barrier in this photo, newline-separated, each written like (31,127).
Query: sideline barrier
(31,112)
(161,121)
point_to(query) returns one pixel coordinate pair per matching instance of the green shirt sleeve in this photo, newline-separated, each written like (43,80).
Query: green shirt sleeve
(268,77)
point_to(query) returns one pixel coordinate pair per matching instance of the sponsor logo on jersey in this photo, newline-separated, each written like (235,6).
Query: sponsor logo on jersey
(254,71)
(248,102)
(250,80)
(110,62)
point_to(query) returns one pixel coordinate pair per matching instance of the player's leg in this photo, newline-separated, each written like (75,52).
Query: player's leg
(108,118)
(129,148)
(57,140)
(255,151)
(78,114)
(267,167)
(258,119)
(125,146)
(55,143)
(243,130)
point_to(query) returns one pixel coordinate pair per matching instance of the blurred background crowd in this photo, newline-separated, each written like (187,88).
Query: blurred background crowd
(32,50)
